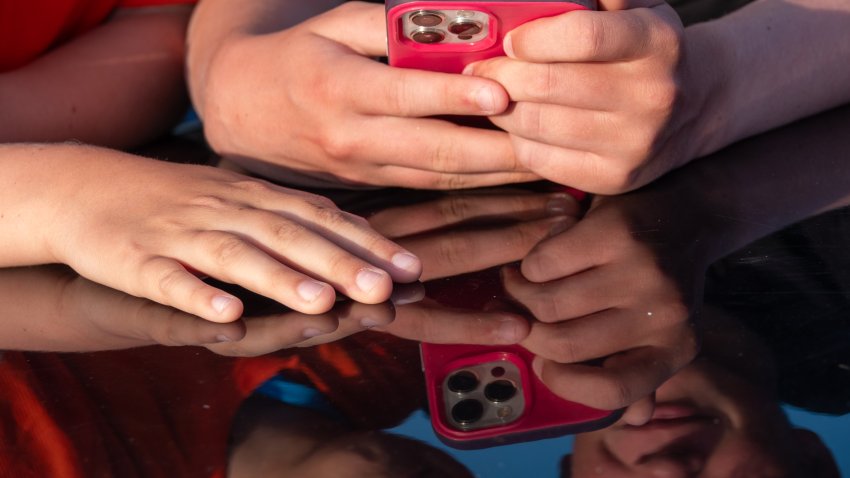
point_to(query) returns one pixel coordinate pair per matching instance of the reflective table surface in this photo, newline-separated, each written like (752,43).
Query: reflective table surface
(715,302)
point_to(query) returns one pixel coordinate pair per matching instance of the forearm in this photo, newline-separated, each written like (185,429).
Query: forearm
(769,64)
(215,22)
(120,85)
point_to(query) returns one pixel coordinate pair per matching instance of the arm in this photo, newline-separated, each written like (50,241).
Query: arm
(119,85)
(773,62)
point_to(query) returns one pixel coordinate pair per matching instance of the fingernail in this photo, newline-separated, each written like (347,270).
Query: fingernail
(367,279)
(223,338)
(309,290)
(368,323)
(406,261)
(221,302)
(485,99)
(537,366)
(310,332)
(557,205)
(468,69)
(508,46)
(559,227)
(508,331)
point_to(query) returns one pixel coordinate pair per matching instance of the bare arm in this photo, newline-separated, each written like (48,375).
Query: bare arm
(119,85)
(771,63)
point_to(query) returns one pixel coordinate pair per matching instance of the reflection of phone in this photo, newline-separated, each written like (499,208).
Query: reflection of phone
(447,35)
(482,396)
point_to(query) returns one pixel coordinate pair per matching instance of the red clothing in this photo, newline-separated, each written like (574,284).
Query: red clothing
(29,28)
(167,412)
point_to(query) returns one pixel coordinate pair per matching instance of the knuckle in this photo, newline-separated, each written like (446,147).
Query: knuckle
(286,231)
(564,351)
(454,208)
(225,249)
(337,145)
(455,250)
(530,119)
(252,186)
(589,35)
(209,202)
(445,156)
(169,281)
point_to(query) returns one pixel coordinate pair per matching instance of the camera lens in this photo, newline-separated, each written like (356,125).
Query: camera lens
(465,29)
(467,411)
(462,382)
(500,390)
(426,19)
(427,36)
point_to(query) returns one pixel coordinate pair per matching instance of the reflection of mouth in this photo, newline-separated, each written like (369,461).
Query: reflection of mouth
(676,429)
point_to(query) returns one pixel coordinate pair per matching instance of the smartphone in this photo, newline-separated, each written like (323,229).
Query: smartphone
(482,395)
(447,35)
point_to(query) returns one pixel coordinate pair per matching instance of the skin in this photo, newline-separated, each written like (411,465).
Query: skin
(121,55)
(605,101)
(186,220)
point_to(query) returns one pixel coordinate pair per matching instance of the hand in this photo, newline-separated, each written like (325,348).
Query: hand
(618,287)
(310,99)
(143,226)
(601,99)
(472,231)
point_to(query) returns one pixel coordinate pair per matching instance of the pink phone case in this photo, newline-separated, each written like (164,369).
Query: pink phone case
(545,415)
(500,17)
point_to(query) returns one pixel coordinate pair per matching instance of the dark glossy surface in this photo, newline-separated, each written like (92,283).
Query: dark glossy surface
(744,229)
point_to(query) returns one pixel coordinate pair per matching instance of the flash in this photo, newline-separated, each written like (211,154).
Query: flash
(504,412)
(465,14)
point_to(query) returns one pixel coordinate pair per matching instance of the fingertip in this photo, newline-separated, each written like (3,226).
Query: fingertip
(408,267)
(508,45)
(226,308)
(511,330)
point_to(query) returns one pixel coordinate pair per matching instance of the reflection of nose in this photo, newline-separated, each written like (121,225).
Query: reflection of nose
(662,448)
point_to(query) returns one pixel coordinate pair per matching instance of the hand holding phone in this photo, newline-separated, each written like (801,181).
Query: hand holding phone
(448,35)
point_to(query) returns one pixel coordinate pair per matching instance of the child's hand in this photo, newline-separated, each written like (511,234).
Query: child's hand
(601,99)
(617,287)
(143,226)
(311,99)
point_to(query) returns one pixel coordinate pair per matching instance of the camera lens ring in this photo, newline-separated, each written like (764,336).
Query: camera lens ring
(500,391)
(467,412)
(462,381)
(427,36)
(426,18)
(465,28)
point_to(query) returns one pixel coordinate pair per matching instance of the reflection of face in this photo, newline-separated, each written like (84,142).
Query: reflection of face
(698,429)
(375,454)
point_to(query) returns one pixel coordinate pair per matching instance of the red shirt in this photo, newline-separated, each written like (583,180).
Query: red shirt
(29,28)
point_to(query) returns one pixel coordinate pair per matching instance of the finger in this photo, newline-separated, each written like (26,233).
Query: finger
(440,325)
(583,170)
(575,296)
(565,126)
(319,214)
(317,255)
(368,20)
(426,144)
(378,89)
(579,85)
(459,208)
(565,254)
(640,412)
(595,336)
(272,333)
(167,282)
(391,175)
(230,258)
(621,381)
(588,36)
(353,318)
(166,326)
(450,253)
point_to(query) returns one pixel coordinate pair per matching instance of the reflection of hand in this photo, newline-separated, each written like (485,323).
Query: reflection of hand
(618,287)
(598,98)
(468,232)
(54,309)
(272,332)
(141,223)
(311,99)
